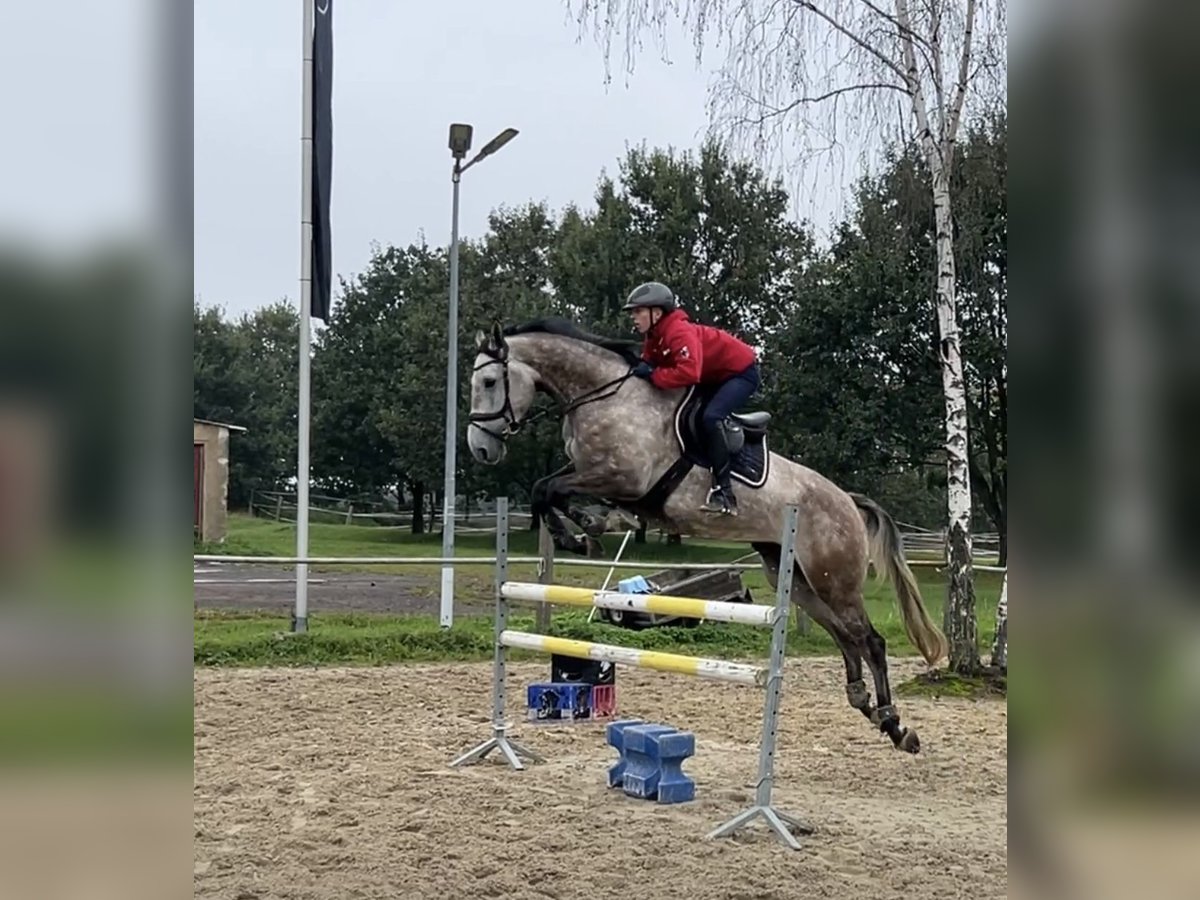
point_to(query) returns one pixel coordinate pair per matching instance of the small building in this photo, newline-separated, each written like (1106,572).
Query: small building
(30,453)
(210,478)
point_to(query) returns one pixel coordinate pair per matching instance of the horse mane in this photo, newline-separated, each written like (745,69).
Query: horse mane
(630,351)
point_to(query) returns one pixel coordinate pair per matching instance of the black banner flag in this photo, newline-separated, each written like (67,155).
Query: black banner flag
(322,171)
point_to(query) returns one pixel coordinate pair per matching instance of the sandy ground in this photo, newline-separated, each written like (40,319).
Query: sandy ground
(335,784)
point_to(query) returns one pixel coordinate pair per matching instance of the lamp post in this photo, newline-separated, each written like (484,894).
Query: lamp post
(460,144)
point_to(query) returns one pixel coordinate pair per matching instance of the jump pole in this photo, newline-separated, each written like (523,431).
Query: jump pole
(716,610)
(716,669)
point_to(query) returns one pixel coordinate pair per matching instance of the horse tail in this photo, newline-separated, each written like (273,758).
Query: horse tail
(887,553)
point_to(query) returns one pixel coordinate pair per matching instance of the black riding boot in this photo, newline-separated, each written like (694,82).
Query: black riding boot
(720,496)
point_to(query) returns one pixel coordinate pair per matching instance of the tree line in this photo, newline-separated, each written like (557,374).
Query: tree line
(846,328)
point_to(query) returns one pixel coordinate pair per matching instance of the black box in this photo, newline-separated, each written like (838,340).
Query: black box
(587,671)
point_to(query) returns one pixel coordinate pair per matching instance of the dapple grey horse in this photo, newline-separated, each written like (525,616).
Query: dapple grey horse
(620,438)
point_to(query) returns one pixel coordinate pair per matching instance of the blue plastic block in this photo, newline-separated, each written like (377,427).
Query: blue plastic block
(655,755)
(556,701)
(678,788)
(643,764)
(673,785)
(614,733)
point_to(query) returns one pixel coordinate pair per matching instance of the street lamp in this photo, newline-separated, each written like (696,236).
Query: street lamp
(460,145)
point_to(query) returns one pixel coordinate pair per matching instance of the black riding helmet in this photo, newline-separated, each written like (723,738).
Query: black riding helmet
(651,294)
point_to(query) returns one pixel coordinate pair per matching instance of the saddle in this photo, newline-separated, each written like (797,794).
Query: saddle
(746,438)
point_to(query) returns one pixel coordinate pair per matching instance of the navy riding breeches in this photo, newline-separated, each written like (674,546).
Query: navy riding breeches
(730,396)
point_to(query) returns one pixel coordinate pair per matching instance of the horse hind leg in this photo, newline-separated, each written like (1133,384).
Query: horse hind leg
(889,719)
(844,616)
(874,649)
(807,599)
(857,694)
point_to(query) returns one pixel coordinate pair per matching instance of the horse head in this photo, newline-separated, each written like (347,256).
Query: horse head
(502,390)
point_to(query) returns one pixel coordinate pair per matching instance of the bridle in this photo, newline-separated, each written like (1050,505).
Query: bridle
(511,422)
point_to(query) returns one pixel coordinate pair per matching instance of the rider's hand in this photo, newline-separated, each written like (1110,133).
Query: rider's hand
(642,370)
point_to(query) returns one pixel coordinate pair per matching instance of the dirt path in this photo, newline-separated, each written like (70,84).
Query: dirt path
(334,784)
(273,589)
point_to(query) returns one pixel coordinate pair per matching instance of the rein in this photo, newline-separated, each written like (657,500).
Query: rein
(513,424)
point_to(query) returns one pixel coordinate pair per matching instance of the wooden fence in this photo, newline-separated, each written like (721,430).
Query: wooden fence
(923,547)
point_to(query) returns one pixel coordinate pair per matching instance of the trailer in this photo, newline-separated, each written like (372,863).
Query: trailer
(702,584)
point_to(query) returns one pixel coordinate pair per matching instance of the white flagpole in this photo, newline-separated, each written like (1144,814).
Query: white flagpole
(300,616)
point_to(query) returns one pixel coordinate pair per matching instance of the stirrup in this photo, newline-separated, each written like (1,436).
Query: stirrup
(720,500)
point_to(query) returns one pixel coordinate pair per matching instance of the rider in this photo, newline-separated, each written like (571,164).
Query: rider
(677,353)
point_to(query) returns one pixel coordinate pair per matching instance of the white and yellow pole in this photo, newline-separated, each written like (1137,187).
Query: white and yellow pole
(662,604)
(716,669)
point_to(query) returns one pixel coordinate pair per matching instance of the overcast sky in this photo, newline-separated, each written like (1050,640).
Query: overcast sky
(402,73)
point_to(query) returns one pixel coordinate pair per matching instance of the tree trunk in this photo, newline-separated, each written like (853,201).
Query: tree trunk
(1000,644)
(418,515)
(639,536)
(674,539)
(1004,547)
(960,619)
(990,491)
(959,622)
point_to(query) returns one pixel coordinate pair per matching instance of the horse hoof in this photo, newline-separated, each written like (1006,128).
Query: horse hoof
(594,527)
(909,742)
(577,547)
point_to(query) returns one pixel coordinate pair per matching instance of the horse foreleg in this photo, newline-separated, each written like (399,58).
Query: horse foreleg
(562,489)
(542,506)
(592,526)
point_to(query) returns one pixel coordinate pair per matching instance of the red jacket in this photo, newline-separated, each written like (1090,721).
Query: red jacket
(685,353)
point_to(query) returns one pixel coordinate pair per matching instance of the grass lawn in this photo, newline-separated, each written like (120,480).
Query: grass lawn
(247,639)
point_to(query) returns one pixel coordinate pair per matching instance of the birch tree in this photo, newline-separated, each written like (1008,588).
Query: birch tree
(1000,643)
(804,80)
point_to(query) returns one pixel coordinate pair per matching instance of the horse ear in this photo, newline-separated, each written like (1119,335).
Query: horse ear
(497,335)
(480,340)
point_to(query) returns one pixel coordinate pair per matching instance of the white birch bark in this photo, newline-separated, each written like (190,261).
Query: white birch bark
(1000,642)
(960,619)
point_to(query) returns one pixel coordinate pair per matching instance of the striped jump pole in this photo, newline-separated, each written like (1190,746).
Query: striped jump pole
(716,669)
(718,611)
(771,678)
